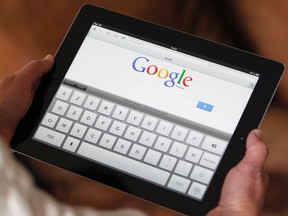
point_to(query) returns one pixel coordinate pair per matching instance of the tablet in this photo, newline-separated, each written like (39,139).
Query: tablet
(151,111)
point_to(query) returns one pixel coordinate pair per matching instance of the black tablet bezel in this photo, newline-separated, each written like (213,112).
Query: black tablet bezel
(270,74)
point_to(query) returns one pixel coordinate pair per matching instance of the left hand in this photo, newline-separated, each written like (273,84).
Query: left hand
(17,92)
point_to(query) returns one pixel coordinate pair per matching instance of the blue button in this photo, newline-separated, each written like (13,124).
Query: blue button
(205,106)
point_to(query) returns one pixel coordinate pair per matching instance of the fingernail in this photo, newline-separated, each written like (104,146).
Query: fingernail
(258,133)
(47,57)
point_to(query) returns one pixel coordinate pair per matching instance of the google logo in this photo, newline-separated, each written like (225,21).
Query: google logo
(140,64)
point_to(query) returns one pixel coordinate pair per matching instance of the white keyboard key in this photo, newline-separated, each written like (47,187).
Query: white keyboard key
(49,136)
(209,160)
(214,145)
(106,108)
(193,155)
(71,144)
(179,133)
(60,108)
(147,138)
(178,149)
(152,157)
(163,144)
(120,113)
(78,130)
(49,120)
(117,128)
(183,168)
(201,174)
(194,138)
(64,125)
(149,123)
(107,141)
(91,103)
(134,118)
(164,128)
(88,118)
(64,93)
(137,151)
(122,146)
(78,98)
(197,190)
(179,183)
(93,135)
(168,162)
(103,123)
(74,113)
(132,133)
(117,161)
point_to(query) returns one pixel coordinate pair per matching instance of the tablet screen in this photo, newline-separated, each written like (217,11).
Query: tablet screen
(147,109)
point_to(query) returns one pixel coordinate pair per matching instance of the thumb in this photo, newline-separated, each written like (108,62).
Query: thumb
(257,151)
(31,74)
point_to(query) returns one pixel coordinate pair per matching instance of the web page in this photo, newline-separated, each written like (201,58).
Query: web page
(139,75)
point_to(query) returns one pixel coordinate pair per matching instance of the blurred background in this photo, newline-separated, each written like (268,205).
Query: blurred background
(31,29)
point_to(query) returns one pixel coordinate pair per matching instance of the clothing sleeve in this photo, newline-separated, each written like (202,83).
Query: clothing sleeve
(19,195)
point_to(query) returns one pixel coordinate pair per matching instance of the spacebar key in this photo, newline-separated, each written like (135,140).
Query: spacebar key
(125,164)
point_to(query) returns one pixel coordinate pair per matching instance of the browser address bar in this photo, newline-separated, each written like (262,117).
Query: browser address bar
(174,54)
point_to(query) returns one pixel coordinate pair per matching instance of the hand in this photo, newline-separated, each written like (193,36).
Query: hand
(16,94)
(245,186)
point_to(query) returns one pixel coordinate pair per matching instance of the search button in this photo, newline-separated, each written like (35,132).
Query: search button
(205,106)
